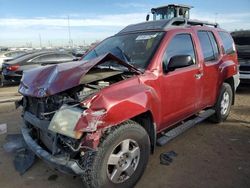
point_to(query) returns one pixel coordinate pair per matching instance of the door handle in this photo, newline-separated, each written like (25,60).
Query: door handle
(198,76)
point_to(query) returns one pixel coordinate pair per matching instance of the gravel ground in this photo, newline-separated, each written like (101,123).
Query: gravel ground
(209,155)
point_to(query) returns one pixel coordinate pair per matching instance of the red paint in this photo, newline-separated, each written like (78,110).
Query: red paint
(60,77)
(170,97)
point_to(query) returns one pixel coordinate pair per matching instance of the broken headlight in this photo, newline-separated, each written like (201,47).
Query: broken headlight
(64,121)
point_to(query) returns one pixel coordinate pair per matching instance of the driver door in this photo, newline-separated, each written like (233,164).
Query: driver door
(181,88)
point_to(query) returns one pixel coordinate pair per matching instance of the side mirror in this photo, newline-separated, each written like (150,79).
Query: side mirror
(179,62)
(147,17)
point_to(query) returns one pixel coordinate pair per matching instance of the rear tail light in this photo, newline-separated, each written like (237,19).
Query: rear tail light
(13,67)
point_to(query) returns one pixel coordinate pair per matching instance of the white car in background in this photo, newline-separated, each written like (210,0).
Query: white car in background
(9,55)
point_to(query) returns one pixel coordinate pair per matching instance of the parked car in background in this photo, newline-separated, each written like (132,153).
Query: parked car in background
(12,71)
(78,52)
(242,41)
(10,55)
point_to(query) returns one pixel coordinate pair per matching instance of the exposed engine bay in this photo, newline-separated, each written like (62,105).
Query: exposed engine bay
(38,113)
(59,123)
(91,83)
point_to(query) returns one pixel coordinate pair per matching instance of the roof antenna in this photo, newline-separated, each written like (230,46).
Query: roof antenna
(70,40)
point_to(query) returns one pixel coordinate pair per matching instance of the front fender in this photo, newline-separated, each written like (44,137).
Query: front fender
(117,104)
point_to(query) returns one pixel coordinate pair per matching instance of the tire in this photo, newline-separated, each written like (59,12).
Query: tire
(223,104)
(101,171)
(1,82)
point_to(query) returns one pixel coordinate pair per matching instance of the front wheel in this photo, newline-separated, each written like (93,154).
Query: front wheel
(223,104)
(121,157)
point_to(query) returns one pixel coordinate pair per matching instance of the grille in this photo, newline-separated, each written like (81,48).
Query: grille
(38,106)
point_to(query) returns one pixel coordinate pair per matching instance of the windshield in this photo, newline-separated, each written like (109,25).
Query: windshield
(135,49)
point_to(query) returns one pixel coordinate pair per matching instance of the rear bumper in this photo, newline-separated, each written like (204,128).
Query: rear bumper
(10,78)
(245,75)
(62,164)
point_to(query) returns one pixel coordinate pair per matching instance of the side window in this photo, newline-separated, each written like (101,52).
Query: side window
(228,42)
(214,44)
(64,57)
(208,45)
(38,59)
(181,44)
(44,58)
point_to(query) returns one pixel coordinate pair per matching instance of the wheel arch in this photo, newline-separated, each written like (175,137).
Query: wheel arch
(147,122)
(230,81)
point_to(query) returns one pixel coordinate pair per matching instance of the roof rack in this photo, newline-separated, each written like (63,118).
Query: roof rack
(185,22)
(161,25)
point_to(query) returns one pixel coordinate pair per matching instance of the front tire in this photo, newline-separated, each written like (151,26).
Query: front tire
(223,104)
(121,158)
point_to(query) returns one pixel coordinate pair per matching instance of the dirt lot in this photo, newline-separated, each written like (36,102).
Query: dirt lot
(209,155)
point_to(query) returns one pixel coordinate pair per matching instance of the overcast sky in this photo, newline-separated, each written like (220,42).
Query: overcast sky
(22,21)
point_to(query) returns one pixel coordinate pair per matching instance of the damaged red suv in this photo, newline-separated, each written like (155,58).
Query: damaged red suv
(101,117)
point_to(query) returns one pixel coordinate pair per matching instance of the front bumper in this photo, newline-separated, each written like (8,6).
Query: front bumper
(245,77)
(10,78)
(60,163)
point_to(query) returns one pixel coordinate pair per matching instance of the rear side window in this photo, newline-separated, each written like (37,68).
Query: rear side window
(181,44)
(214,44)
(53,58)
(64,57)
(44,58)
(228,42)
(208,45)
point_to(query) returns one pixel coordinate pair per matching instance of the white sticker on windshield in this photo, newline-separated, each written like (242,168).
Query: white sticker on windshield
(146,37)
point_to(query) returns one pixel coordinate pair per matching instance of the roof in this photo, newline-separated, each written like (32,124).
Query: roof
(33,55)
(150,25)
(163,25)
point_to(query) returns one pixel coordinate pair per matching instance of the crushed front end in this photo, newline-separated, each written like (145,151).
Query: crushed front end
(62,127)
(48,130)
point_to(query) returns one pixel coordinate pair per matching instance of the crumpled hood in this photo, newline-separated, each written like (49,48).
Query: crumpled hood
(49,80)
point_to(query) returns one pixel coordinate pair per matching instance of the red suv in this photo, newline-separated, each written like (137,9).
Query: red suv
(101,117)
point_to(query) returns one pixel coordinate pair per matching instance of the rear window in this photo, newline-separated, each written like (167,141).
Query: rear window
(208,45)
(228,42)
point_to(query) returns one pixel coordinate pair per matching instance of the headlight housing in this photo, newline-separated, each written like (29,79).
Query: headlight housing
(65,120)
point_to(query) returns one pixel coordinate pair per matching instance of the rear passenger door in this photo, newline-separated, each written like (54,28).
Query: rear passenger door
(181,88)
(210,59)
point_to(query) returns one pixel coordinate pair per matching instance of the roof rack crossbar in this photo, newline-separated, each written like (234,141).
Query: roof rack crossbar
(202,23)
(183,21)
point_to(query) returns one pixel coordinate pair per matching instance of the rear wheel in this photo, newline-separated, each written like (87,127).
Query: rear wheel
(121,158)
(1,82)
(223,104)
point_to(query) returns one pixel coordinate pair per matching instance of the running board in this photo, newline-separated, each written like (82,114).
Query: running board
(165,138)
